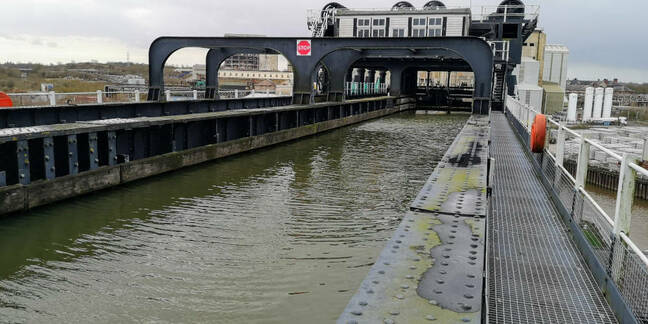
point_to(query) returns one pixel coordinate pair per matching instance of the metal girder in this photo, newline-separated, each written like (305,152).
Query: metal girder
(216,57)
(473,50)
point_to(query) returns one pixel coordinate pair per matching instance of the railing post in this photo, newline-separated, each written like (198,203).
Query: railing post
(195,94)
(644,156)
(52,98)
(560,145)
(583,163)
(137,96)
(625,197)
(167,93)
(99,97)
(236,94)
(622,216)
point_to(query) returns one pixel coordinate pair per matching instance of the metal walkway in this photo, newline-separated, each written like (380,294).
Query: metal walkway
(536,273)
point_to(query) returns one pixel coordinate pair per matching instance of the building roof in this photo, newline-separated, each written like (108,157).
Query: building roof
(405,12)
(556,48)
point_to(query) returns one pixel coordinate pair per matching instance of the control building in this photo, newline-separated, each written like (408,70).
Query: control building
(445,81)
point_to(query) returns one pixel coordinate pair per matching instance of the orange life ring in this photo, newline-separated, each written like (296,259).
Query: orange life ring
(5,101)
(538,133)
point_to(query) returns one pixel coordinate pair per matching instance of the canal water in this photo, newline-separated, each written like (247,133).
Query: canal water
(281,235)
(639,228)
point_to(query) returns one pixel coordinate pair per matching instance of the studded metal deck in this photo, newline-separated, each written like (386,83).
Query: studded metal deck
(433,267)
(536,274)
(458,184)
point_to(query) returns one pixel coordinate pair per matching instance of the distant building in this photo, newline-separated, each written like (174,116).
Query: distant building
(556,65)
(402,20)
(534,48)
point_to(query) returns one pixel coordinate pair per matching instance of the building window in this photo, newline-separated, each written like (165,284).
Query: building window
(364,27)
(419,27)
(378,33)
(398,32)
(435,27)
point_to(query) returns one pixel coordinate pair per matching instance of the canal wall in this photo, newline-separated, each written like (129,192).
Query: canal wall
(608,179)
(126,150)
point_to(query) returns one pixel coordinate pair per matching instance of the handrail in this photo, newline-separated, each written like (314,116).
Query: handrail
(104,97)
(634,248)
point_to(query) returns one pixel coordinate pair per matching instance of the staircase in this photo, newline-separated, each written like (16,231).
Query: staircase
(529,28)
(497,102)
(319,24)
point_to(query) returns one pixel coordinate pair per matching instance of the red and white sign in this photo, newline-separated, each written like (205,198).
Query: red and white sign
(303,47)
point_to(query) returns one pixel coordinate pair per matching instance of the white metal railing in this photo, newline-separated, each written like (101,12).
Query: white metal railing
(39,99)
(358,89)
(526,115)
(609,237)
(526,12)
(500,49)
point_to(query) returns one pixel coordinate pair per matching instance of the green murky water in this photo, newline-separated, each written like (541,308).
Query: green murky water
(281,235)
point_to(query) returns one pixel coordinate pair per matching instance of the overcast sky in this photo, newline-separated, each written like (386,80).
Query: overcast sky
(606,38)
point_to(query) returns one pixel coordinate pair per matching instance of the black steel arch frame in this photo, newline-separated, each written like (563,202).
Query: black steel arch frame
(475,51)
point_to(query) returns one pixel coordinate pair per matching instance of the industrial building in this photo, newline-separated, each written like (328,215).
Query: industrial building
(444,81)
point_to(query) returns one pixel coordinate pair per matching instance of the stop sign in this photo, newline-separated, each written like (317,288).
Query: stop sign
(303,48)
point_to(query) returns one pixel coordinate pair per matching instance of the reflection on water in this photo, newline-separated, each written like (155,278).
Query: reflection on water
(284,234)
(639,230)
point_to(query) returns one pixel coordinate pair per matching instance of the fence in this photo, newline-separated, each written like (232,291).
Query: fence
(359,89)
(608,238)
(101,97)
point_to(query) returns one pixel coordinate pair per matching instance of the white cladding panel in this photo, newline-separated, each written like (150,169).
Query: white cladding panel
(398,23)
(529,72)
(346,27)
(607,102)
(454,26)
(531,95)
(555,68)
(598,103)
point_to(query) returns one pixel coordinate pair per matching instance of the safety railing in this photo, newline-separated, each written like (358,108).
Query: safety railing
(505,13)
(609,237)
(102,97)
(500,50)
(360,89)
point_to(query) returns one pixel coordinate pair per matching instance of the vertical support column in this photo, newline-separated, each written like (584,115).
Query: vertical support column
(137,96)
(195,95)
(22,154)
(251,131)
(99,97)
(583,163)
(167,94)
(48,158)
(277,122)
(73,156)
(3,178)
(112,148)
(52,98)
(644,156)
(93,153)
